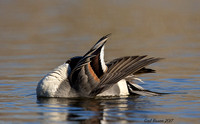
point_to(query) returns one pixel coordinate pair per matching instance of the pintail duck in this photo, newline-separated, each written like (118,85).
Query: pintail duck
(89,75)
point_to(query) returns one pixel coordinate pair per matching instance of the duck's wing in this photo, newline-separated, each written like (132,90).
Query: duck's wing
(144,71)
(121,68)
(97,62)
(82,79)
(141,71)
(85,75)
(100,43)
(93,57)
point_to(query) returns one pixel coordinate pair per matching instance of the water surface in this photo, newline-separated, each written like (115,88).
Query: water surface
(37,36)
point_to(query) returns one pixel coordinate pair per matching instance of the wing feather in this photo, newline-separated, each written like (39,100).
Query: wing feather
(116,72)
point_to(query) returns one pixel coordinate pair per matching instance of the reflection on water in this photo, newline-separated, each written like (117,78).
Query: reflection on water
(100,110)
(72,109)
(37,36)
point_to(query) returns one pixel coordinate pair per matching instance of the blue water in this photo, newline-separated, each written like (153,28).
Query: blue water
(38,36)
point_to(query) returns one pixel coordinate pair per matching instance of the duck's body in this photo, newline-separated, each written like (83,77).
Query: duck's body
(89,76)
(56,84)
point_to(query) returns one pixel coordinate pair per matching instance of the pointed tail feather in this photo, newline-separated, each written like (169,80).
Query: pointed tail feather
(135,89)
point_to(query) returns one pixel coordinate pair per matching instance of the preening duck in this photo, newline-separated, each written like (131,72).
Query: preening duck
(89,75)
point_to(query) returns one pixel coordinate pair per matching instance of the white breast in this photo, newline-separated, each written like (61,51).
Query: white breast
(48,86)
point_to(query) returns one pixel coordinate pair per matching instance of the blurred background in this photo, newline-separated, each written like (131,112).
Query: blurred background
(62,29)
(36,36)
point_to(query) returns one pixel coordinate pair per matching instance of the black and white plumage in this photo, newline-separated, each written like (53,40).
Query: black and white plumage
(90,76)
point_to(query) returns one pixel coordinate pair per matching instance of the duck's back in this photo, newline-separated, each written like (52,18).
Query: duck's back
(55,83)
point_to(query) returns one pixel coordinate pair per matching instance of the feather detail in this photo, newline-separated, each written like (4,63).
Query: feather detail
(119,69)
